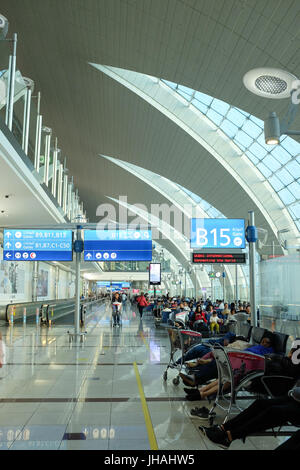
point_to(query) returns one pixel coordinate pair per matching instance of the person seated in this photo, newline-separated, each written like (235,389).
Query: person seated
(166,313)
(231,316)
(197,315)
(214,322)
(209,311)
(278,365)
(157,310)
(261,415)
(186,307)
(203,374)
(178,308)
(226,310)
(199,350)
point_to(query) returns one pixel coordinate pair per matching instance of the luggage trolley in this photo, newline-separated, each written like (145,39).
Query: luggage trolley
(116,306)
(181,341)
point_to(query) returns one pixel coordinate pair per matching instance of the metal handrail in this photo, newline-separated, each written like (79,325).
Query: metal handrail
(31,307)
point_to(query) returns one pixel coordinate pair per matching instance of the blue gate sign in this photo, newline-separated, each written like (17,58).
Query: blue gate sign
(217,233)
(117,245)
(116,285)
(37,245)
(103,283)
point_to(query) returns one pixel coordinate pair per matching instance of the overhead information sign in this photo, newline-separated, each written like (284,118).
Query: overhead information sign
(117,245)
(37,245)
(217,233)
(219,258)
(103,283)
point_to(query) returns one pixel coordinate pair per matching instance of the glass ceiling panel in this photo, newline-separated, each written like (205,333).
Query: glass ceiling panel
(286,196)
(220,106)
(202,107)
(251,129)
(229,128)
(186,90)
(280,164)
(252,157)
(294,188)
(243,138)
(276,183)
(265,171)
(235,116)
(271,163)
(284,176)
(295,209)
(205,99)
(214,116)
(258,150)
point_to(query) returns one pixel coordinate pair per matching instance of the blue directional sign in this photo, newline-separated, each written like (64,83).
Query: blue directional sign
(217,233)
(37,245)
(117,245)
(116,285)
(103,283)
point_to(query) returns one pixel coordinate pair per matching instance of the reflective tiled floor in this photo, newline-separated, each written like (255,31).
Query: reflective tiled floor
(59,395)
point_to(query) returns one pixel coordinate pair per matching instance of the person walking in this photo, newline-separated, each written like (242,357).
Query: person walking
(142,302)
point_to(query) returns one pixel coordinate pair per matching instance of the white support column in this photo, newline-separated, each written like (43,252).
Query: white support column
(60,183)
(26,118)
(38,135)
(11,85)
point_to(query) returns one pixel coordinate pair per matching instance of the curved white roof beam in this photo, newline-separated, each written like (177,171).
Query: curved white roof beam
(187,202)
(179,243)
(208,134)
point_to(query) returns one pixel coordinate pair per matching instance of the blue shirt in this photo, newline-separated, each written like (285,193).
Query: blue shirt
(259,349)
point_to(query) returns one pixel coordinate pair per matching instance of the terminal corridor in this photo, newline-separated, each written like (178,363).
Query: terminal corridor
(54,395)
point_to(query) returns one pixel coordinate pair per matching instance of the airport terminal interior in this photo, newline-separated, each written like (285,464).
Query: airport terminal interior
(149,225)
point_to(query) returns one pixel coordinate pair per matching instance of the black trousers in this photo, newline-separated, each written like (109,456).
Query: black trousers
(264,414)
(141,310)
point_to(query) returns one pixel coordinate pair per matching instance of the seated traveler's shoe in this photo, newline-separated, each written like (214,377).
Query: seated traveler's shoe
(188,379)
(217,436)
(202,413)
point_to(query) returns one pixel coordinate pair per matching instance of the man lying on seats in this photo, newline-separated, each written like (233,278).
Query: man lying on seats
(289,369)
(208,368)
(263,414)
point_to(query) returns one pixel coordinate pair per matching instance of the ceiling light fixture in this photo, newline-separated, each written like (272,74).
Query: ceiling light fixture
(274,83)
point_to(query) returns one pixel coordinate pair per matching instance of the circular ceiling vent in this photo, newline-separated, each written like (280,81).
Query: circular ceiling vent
(270,82)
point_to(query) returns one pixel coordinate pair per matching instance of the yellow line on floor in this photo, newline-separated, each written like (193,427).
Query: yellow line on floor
(149,426)
(145,341)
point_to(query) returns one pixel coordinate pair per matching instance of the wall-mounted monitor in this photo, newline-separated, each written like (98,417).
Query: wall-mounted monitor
(154,274)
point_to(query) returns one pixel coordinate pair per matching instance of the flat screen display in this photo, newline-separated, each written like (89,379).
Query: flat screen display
(37,245)
(219,258)
(217,233)
(154,274)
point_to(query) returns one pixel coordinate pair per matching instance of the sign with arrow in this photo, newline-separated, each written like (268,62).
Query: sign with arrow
(38,245)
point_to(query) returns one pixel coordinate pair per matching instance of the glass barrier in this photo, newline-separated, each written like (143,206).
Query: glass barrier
(135,266)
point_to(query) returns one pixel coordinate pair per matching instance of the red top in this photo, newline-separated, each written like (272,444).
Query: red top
(142,301)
